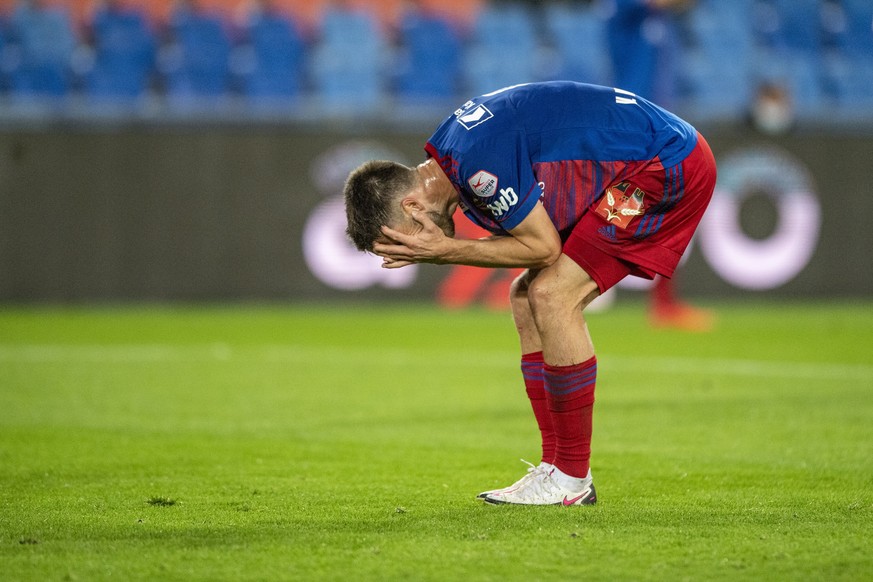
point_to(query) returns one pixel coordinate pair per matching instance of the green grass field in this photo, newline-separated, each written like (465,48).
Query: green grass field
(342,443)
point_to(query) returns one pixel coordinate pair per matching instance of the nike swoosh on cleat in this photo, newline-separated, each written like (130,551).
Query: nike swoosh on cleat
(566,502)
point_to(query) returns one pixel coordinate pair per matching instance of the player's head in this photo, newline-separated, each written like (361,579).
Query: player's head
(375,193)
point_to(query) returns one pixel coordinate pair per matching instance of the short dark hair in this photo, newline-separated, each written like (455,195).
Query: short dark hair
(371,194)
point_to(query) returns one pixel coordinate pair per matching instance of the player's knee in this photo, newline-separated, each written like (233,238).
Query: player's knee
(546,295)
(549,294)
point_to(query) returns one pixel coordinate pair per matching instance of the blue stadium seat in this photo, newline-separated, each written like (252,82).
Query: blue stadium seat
(848,59)
(124,55)
(41,44)
(850,81)
(721,89)
(715,72)
(198,64)
(722,29)
(429,64)
(791,37)
(348,61)
(4,44)
(579,37)
(503,49)
(798,25)
(277,53)
(857,36)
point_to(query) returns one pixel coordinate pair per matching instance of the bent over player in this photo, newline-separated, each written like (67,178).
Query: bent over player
(582,185)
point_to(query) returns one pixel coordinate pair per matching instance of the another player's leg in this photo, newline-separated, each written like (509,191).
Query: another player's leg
(667,310)
(697,181)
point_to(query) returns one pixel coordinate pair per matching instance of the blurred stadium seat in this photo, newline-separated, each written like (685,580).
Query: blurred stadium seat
(858,32)
(718,33)
(196,65)
(848,62)
(124,54)
(349,61)
(849,81)
(503,49)
(429,62)
(578,36)
(274,57)
(363,55)
(797,25)
(39,51)
(790,42)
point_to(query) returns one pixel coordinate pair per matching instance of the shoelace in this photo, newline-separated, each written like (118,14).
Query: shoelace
(541,488)
(531,466)
(550,487)
(547,487)
(532,472)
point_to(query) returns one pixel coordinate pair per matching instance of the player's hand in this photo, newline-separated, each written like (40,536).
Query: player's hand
(429,244)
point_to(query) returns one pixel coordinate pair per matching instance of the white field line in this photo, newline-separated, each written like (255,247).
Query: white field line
(381,357)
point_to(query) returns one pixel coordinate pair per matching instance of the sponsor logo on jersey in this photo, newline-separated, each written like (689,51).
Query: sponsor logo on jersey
(507,199)
(474,117)
(483,184)
(621,204)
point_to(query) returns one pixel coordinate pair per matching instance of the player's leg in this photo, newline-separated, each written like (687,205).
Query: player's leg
(558,297)
(532,362)
(532,375)
(528,335)
(555,298)
(596,256)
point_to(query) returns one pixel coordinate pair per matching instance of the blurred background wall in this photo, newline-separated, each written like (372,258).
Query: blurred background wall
(196,149)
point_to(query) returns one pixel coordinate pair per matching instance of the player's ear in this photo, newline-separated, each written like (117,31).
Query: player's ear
(411,204)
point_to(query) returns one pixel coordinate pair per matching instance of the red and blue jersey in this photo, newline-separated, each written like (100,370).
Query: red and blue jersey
(560,142)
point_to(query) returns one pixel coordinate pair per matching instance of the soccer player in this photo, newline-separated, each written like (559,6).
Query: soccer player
(581,185)
(641,37)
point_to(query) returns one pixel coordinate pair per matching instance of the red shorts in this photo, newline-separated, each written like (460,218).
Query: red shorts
(642,225)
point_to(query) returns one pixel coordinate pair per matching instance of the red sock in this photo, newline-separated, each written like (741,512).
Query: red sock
(532,370)
(570,394)
(663,293)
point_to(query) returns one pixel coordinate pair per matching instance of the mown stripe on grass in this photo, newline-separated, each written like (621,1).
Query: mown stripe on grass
(381,356)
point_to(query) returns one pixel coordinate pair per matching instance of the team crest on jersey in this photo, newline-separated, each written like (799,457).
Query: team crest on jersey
(472,118)
(483,184)
(621,204)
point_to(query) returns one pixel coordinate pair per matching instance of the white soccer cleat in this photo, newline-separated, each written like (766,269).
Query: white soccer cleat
(549,488)
(533,472)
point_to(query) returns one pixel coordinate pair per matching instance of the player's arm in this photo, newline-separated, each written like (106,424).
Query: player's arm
(534,243)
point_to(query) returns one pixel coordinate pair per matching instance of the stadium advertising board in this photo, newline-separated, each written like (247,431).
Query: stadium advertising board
(256,213)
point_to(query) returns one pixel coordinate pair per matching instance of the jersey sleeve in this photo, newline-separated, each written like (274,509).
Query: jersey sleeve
(497,177)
